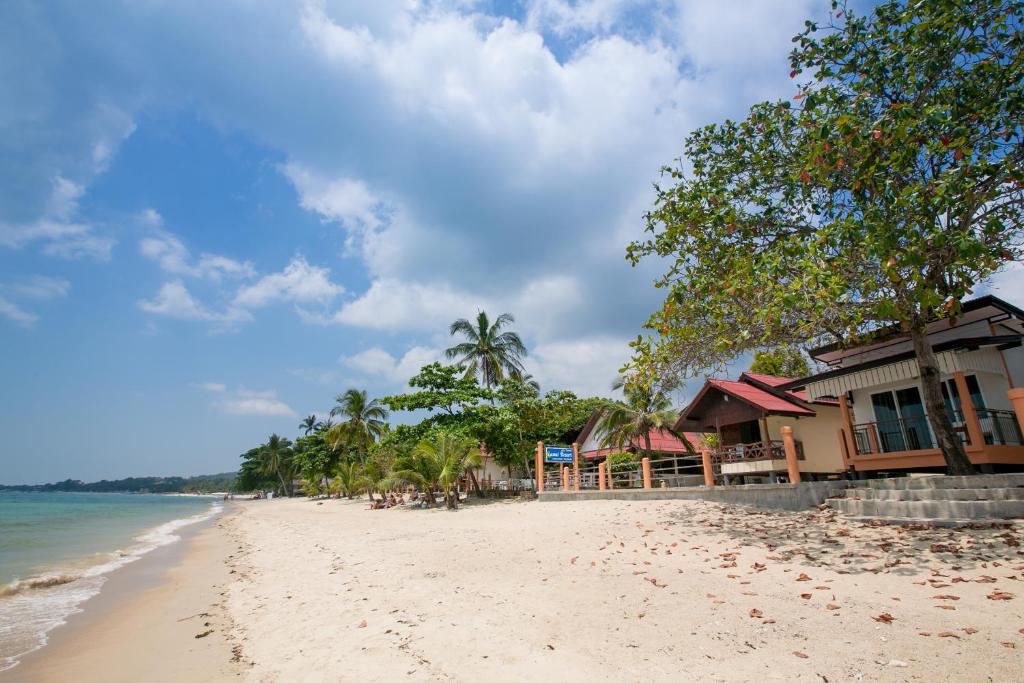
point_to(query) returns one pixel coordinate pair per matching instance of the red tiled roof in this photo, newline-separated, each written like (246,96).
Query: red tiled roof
(759,397)
(770,380)
(661,442)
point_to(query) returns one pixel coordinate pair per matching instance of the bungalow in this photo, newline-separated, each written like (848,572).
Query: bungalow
(885,426)
(747,417)
(671,460)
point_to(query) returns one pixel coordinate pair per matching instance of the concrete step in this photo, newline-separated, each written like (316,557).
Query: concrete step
(936,494)
(931,509)
(978,481)
(939,522)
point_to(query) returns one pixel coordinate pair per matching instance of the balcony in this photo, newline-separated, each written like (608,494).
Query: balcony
(997,427)
(758,450)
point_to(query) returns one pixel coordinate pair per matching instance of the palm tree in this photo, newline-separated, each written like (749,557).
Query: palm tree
(276,459)
(349,479)
(447,457)
(365,421)
(645,409)
(308,424)
(488,351)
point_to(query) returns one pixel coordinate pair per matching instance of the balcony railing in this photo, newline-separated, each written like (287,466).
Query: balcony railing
(758,450)
(998,427)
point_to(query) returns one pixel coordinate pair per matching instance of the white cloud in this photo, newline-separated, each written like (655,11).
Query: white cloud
(212,387)
(395,305)
(376,362)
(57,230)
(257,403)
(16,314)
(173,257)
(1008,283)
(41,287)
(299,283)
(587,366)
(174,301)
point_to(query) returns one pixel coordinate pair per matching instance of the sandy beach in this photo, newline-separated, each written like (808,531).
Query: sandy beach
(602,590)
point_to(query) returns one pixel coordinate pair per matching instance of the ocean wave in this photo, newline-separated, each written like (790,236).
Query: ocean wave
(30,608)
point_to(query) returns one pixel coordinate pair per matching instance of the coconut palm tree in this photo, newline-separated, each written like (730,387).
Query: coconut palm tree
(308,424)
(348,477)
(447,457)
(276,459)
(487,350)
(645,409)
(364,422)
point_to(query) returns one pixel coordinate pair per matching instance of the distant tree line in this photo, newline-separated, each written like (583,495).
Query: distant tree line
(205,483)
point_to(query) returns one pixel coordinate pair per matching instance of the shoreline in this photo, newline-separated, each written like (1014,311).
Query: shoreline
(136,627)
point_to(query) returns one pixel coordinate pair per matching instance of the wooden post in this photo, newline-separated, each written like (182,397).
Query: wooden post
(645,466)
(565,478)
(847,419)
(608,472)
(791,462)
(709,472)
(974,435)
(575,467)
(600,477)
(539,464)
(873,438)
(1017,399)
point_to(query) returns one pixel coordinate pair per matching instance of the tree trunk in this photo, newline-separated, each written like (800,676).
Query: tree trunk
(957,462)
(647,443)
(476,485)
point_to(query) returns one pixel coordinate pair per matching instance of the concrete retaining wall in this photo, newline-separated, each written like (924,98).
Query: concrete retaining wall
(777,496)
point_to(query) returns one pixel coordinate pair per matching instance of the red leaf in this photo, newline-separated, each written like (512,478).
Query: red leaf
(970,631)
(999,595)
(805,596)
(884,618)
(803,577)
(799,654)
(756,613)
(831,605)
(945,607)
(948,634)
(945,597)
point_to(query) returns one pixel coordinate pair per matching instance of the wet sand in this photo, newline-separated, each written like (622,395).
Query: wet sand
(142,626)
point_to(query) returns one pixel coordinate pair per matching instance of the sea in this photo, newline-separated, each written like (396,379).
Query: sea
(57,549)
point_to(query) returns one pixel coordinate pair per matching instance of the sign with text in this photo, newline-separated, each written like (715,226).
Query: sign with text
(557,454)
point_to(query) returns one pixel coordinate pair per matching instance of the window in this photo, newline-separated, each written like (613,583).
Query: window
(901,421)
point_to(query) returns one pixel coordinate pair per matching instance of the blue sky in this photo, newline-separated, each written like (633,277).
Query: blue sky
(216,216)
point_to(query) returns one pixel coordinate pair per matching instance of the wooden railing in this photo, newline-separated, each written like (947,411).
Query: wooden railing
(997,427)
(758,450)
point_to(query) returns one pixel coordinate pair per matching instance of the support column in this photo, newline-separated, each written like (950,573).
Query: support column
(565,478)
(575,467)
(645,466)
(1017,399)
(600,477)
(709,472)
(608,472)
(792,464)
(847,418)
(539,468)
(974,435)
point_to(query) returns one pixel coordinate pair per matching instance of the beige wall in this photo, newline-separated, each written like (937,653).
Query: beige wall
(993,388)
(819,438)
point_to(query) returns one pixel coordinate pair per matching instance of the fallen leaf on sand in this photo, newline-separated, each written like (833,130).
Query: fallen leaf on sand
(947,634)
(923,633)
(769,621)
(831,605)
(999,595)
(985,579)
(362,624)
(969,630)
(805,596)
(573,560)
(884,618)
(803,577)
(945,607)
(799,654)
(945,597)
(756,613)
(1010,644)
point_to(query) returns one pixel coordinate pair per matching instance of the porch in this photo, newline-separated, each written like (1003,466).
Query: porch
(991,437)
(765,458)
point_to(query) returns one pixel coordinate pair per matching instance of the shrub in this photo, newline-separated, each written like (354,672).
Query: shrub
(623,462)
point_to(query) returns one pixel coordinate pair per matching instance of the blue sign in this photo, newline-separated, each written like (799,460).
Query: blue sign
(557,454)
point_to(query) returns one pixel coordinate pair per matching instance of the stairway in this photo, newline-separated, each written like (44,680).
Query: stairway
(937,500)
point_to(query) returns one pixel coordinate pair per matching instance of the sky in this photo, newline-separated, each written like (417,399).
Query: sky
(214,217)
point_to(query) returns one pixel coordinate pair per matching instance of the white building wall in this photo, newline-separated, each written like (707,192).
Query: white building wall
(1015,362)
(993,389)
